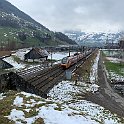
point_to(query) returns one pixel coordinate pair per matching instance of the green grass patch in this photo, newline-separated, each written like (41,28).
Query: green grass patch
(59,107)
(39,121)
(115,67)
(31,113)
(17,59)
(6,107)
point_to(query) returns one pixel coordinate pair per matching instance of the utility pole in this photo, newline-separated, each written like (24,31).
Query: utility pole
(121,45)
(106,43)
(69,51)
(51,57)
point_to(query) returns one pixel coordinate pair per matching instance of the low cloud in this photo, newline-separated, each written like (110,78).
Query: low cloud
(87,15)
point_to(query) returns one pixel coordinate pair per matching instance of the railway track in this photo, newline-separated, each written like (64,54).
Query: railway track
(40,81)
(74,67)
(37,80)
(45,78)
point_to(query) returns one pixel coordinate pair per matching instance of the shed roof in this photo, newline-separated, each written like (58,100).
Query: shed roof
(36,53)
(41,51)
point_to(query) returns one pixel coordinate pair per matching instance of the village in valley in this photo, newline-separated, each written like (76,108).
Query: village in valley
(50,77)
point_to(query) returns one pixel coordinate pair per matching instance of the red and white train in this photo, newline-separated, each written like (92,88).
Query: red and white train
(70,60)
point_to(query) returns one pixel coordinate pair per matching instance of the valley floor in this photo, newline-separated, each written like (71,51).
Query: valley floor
(90,100)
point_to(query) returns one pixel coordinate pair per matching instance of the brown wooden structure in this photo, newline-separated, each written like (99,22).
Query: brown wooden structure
(36,53)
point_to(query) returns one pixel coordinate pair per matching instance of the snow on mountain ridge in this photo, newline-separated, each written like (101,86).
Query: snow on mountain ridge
(100,37)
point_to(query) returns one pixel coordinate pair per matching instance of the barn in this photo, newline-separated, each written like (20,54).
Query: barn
(36,53)
(4,65)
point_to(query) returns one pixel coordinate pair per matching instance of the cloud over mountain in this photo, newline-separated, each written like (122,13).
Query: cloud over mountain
(87,15)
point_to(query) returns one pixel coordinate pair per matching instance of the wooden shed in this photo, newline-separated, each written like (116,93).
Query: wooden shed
(4,64)
(36,53)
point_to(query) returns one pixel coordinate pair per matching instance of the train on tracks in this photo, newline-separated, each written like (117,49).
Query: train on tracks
(73,59)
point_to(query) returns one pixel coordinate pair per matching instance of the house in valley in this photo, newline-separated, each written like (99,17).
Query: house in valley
(36,53)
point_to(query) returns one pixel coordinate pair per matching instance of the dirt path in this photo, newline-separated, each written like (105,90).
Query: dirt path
(106,96)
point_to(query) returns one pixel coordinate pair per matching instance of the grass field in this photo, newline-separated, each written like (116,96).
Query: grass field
(115,67)
(6,105)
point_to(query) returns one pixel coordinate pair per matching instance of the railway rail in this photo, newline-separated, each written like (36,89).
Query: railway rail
(40,81)
(37,80)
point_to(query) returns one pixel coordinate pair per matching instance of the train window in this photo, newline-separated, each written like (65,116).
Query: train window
(64,60)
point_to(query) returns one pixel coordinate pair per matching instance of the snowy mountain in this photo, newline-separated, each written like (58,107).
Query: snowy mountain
(93,39)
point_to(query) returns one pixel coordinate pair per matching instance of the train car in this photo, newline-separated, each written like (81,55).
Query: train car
(68,61)
(80,56)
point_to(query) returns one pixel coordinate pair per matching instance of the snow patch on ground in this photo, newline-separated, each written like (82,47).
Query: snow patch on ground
(94,88)
(29,95)
(65,93)
(94,69)
(116,76)
(114,60)
(16,115)
(15,65)
(59,55)
(18,101)
(52,116)
(80,107)
(62,110)
(2,96)
(21,52)
(27,110)
(95,111)
(66,90)
(93,74)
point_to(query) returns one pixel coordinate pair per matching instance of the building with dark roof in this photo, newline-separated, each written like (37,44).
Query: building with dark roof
(36,53)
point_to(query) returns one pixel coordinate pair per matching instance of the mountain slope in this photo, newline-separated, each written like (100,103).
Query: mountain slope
(17,29)
(94,39)
(8,8)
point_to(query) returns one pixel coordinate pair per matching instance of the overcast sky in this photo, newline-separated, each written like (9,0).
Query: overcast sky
(84,15)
